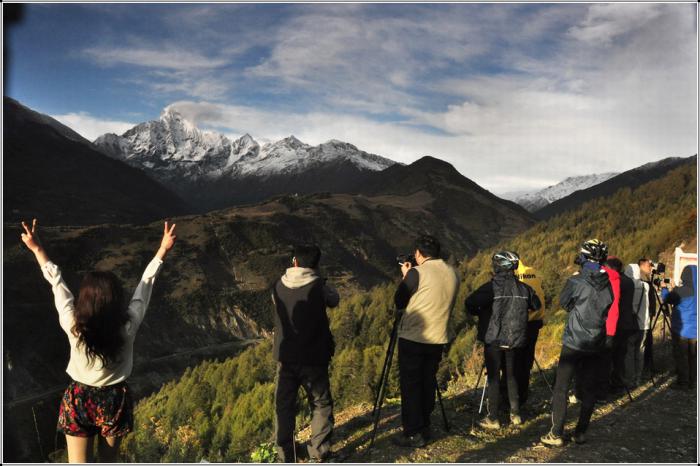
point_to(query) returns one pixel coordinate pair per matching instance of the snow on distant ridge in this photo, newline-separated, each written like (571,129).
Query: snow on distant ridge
(539,199)
(173,147)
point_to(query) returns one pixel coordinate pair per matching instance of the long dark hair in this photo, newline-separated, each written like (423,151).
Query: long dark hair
(100,315)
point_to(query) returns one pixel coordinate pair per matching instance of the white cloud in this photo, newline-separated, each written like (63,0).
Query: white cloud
(171,58)
(91,127)
(577,89)
(605,22)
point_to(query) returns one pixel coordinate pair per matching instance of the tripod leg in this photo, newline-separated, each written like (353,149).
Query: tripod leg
(382,385)
(387,363)
(628,393)
(483,394)
(476,387)
(442,409)
(544,377)
(481,372)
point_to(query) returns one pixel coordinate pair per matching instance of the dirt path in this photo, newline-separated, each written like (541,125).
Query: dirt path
(660,425)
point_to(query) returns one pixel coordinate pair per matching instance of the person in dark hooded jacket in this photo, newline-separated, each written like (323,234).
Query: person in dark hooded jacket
(502,305)
(684,326)
(303,346)
(587,296)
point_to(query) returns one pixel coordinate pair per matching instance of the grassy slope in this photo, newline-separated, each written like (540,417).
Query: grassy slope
(646,221)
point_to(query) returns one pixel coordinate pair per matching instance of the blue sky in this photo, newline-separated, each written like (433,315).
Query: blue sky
(516,96)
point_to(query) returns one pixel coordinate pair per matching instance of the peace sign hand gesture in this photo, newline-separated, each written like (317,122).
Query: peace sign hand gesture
(168,241)
(31,237)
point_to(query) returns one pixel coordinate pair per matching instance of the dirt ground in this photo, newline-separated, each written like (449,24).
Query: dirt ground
(659,425)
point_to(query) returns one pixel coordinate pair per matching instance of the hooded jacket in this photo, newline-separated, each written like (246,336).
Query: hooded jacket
(502,306)
(684,318)
(302,332)
(587,296)
(640,299)
(614,312)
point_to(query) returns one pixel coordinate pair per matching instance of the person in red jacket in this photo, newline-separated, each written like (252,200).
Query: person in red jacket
(613,266)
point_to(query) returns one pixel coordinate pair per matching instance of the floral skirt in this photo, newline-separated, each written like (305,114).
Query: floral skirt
(87,411)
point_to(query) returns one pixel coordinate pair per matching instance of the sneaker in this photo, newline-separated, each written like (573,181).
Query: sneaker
(490,424)
(580,439)
(515,419)
(552,440)
(411,441)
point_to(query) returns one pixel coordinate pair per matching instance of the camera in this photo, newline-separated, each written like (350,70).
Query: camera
(658,270)
(403,258)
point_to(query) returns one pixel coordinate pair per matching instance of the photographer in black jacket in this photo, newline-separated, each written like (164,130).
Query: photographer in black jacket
(587,296)
(502,305)
(303,346)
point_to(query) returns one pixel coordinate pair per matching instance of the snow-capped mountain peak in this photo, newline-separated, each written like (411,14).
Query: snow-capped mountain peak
(172,147)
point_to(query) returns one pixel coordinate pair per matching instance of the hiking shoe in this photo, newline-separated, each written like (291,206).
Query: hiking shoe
(552,440)
(515,419)
(490,424)
(580,439)
(411,441)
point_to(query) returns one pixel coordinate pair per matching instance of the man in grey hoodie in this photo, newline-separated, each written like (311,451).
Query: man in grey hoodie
(303,347)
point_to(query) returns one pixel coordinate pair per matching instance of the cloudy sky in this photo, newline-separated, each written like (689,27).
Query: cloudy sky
(515,96)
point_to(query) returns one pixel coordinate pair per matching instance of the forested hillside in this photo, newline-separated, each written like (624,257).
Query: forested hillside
(221,410)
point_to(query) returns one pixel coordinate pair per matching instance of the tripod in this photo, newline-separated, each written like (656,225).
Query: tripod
(383,380)
(665,311)
(486,383)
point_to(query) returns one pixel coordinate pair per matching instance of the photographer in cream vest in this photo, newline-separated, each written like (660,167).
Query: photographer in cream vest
(427,295)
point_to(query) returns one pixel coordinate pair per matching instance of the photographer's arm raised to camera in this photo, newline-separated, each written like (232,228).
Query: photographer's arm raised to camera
(406,289)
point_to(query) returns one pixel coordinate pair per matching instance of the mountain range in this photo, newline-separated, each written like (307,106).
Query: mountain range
(534,201)
(629,179)
(212,171)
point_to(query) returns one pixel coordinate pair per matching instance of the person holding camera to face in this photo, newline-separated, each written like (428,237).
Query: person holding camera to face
(502,305)
(426,295)
(647,269)
(303,346)
(587,296)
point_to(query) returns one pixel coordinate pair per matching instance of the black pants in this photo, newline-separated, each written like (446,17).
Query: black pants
(315,381)
(494,357)
(525,358)
(648,359)
(627,358)
(418,365)
(584,366)
(685,354)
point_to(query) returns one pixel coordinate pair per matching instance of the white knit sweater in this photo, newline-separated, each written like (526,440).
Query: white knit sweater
(94,373)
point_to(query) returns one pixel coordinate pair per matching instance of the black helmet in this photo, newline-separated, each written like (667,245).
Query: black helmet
(594,250)
(504,261)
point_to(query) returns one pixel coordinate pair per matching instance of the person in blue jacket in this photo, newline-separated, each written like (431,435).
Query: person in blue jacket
(684,326)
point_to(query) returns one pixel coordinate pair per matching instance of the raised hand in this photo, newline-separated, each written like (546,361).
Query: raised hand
(31,239)
(168,241)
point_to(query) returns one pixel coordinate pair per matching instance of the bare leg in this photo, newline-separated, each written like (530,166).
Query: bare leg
(79,449)
(108,449)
